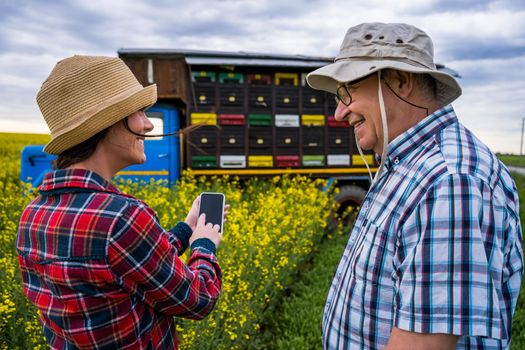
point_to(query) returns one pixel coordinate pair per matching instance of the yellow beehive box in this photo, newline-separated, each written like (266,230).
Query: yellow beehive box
(260,161)
(357,160)
(285,78)
(313,120)
(204,118)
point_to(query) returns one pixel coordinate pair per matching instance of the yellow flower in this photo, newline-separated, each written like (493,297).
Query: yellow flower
(273,225)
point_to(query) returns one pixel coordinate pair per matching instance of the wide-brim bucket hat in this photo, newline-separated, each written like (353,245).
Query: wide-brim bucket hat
(84,95)
(370,47)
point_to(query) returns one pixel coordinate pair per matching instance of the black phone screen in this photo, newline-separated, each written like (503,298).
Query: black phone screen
(212,204)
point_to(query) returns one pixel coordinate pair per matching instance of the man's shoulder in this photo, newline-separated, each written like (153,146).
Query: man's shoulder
(465,156)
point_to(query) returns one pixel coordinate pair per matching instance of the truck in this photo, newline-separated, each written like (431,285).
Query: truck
(257,116)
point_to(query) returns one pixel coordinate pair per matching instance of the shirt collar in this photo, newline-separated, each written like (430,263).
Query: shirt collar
(411,139)
(70,179)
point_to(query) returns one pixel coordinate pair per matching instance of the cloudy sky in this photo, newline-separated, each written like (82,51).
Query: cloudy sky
(482,40)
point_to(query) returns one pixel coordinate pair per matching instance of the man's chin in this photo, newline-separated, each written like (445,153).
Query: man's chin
(365,146)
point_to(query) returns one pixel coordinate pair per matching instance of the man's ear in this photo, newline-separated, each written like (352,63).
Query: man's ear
(402,82)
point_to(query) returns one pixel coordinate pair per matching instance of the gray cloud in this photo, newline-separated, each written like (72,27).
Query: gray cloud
(456,8)
(446,6)
(487,72)
(483,40)
(464,48)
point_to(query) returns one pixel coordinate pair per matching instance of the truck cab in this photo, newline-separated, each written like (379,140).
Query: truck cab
(162,153)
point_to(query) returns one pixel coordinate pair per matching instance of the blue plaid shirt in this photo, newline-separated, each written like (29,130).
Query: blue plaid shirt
(436,248)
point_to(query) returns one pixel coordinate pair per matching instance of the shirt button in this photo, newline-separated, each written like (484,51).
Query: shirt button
(396,161)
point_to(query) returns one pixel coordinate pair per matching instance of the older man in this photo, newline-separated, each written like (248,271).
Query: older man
(435,258)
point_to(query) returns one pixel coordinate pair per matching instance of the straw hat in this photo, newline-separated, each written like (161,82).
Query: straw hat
(84,95)
(370,47)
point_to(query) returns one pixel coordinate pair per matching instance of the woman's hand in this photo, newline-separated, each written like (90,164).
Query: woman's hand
(209,231)
(193,215)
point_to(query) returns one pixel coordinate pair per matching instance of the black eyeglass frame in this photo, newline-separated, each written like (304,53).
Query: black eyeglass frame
(347,92)
(344,86)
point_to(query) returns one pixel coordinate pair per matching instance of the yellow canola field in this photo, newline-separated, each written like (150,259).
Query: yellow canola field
(273,226)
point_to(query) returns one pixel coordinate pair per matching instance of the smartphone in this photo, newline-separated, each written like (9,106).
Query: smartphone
(212,204)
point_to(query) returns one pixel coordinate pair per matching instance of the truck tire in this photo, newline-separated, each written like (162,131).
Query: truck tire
(350,198)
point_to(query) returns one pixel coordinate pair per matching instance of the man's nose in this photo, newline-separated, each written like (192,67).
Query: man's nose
(342,112)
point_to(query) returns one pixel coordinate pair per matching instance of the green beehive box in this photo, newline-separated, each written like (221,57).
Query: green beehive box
(203,162)
(231,78)
(313,160)
(203,77)
(260,119)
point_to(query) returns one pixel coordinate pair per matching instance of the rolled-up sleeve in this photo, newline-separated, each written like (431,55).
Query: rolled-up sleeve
(145,260)
(457,262)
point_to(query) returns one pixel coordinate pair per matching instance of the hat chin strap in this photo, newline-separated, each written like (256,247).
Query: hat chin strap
(373,179)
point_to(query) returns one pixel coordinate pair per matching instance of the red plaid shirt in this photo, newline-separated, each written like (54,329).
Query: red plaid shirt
(102,271)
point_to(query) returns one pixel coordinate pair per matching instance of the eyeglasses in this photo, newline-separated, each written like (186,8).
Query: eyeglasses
(343,94)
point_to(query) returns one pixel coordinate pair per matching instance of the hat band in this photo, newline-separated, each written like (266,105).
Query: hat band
(418,58)
(386,59)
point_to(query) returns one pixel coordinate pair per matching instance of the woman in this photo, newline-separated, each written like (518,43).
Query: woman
(95,261)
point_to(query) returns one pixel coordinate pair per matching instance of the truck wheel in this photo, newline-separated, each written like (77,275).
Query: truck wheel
(350,198)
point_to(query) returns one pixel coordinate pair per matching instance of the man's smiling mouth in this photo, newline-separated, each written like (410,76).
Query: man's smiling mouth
(357,123)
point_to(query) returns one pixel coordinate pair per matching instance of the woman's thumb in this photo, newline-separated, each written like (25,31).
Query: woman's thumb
(201,220)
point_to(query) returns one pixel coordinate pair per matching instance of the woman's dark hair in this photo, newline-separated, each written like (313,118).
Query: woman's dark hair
(80,152)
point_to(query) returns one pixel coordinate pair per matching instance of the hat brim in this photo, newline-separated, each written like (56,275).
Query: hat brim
(347,70)
(102,118)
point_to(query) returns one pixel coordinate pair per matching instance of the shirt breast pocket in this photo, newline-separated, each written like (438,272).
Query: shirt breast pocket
(373,263)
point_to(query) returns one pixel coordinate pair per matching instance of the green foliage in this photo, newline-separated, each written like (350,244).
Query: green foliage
(19,320)
(277,271)
(518,322)
(265,241)
(10,150)
(512,159)
(264,244)
(297,325)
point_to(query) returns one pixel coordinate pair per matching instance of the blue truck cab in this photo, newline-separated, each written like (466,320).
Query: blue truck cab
(253,115)
(162,153)
(34,164)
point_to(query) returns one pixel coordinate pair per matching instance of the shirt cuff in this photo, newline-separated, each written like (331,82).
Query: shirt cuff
(183,232)
(204,243)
